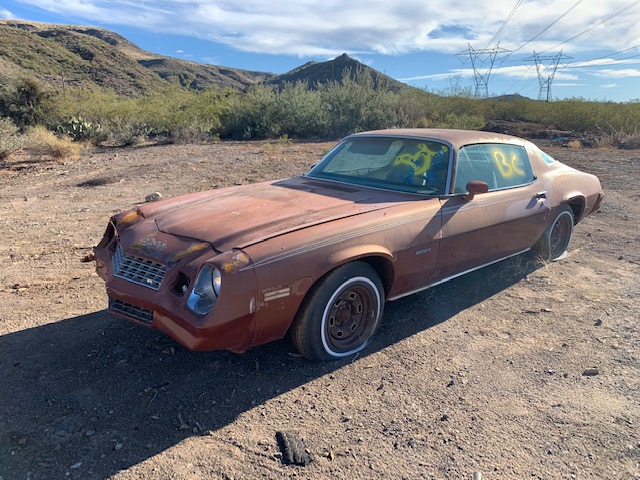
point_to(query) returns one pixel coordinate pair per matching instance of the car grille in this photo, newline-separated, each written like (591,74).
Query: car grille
(138,270)
(137,313)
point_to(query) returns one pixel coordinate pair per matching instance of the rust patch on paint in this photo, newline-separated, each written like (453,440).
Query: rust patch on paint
(196,247)
(150,244)
(128,218)
(238,261)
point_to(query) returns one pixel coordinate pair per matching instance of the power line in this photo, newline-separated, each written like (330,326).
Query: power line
(613,61)
(610,17)
(504,24)
(581,64)
(518,80)
(601,22)
(549,26)
(616,53)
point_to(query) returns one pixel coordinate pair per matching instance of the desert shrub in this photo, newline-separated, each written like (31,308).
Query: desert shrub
(252,114)
(43,143)
(414,109)
(612,137)
(10,138)
(27,102)
(126,131)
(172,113)
(81,130)
(181,115)
(298,112)
(463,122)
(357,103)
(191,132)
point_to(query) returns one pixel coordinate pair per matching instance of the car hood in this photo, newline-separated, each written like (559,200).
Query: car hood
(241,216)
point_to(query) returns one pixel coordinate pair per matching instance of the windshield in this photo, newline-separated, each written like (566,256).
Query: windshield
(402,164)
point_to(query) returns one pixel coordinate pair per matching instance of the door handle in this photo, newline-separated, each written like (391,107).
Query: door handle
(541,195)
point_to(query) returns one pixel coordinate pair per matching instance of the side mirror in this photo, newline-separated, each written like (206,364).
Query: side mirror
(474,187)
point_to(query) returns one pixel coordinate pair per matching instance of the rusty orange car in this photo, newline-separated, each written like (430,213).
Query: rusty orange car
(383,215)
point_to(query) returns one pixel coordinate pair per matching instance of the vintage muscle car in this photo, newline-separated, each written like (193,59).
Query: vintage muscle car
(383,215)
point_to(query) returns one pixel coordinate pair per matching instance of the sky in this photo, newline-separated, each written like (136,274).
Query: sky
(572,48)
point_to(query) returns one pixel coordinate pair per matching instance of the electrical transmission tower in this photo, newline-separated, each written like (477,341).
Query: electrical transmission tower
(546,66)
(482,62)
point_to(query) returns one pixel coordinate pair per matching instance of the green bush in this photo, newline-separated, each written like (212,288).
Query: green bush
(27,102)
(81,130)
(462,122)
(125,131)
(357,103)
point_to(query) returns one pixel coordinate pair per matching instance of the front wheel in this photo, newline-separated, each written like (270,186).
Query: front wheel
(555,240)
(340,313)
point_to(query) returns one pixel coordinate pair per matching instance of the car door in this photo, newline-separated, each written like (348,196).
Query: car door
(506,220)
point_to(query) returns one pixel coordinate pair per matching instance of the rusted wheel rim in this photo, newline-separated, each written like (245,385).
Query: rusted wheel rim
(560,235)
(350,319)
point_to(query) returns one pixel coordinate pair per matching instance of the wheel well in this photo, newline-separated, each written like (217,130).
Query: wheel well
(383,267)
(577,207)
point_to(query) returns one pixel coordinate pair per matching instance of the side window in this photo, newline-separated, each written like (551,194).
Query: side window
(499,165)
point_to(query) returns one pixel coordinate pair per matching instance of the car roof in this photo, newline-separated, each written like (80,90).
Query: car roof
(457,138)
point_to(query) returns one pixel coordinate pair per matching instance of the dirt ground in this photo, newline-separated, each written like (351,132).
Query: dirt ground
(521,370)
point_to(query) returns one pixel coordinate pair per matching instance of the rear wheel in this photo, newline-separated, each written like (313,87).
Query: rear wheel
(340,313)
(555,240)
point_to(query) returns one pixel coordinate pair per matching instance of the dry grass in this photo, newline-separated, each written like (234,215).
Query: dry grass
(44,145)
(10,139)
(620,138)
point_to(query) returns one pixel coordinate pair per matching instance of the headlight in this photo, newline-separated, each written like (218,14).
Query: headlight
(206,290)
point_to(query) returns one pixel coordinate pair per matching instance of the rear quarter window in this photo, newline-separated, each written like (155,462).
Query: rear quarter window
(499,165)
(546,158)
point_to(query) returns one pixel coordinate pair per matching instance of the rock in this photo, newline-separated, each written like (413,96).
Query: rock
(591,372)
(153,197)
(293,449)
(597,323)
(476,476)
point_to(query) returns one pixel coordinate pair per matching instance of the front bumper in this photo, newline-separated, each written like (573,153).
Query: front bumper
(149,274)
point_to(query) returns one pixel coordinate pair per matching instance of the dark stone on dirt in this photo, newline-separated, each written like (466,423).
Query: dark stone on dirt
(96,182)
(591,372)
(294,451)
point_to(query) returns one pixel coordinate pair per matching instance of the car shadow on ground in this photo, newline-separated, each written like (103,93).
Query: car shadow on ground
(108,394)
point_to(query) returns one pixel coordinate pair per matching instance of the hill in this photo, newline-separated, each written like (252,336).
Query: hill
(63,55)
(95,58)
(333,70)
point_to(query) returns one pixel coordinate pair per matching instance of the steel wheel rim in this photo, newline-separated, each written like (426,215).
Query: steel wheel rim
(560,235)
(350,319)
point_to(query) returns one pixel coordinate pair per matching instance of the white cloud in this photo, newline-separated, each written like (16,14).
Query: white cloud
(621,73)
(6,14)
(331,27)
(609,85)
(604,61)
